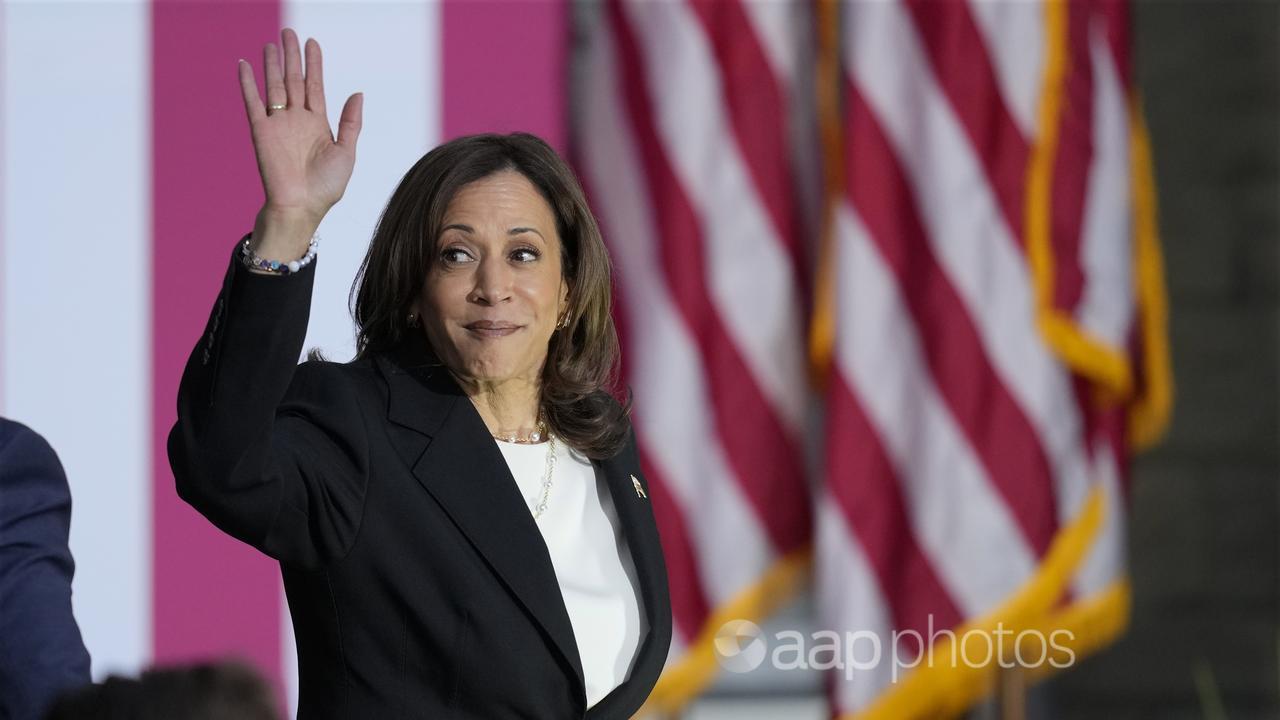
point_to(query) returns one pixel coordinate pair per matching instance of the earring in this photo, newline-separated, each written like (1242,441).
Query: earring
(413,320)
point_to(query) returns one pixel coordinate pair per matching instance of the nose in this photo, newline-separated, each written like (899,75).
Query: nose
(493,281)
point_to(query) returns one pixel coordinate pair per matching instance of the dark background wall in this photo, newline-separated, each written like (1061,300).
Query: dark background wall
(1204,637)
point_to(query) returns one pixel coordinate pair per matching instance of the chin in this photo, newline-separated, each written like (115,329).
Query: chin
(489,370)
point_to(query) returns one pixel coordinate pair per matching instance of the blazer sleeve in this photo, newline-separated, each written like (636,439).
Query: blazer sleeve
(272,452)
(41,651)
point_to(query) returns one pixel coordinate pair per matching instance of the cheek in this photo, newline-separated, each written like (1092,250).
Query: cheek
(444,294)
(542,293)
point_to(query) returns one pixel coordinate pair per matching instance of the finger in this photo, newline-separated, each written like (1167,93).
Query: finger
(293,69)
(315,78)
(349,123)
(275,80)
(249,89)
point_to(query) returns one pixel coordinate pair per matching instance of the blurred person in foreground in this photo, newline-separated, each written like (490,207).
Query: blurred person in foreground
(41,651)
(205,691)
(459,512)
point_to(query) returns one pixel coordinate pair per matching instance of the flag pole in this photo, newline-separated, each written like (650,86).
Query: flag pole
(1012,693)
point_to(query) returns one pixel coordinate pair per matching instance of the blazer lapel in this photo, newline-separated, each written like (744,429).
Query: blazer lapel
(622,473)
(442,437)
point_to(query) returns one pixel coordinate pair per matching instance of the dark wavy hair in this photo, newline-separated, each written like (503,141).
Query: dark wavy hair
(581,371)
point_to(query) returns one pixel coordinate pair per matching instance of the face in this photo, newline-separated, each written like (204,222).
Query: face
(494,293)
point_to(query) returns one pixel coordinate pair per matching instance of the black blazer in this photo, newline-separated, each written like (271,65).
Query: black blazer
(418,583)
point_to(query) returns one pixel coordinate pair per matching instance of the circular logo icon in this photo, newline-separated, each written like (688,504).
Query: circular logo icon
(740,646)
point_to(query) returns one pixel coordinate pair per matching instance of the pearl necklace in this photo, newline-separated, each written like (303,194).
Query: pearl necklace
(533,438)
(546,480)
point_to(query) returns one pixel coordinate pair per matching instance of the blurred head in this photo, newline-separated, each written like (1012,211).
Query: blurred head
(488,243)
(225,690)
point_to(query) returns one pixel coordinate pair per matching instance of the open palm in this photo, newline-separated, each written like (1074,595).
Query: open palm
(304,169)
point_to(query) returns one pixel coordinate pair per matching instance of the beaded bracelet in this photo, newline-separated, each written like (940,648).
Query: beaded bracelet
(251,259)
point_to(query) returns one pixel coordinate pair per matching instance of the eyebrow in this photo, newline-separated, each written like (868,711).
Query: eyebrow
(512,231)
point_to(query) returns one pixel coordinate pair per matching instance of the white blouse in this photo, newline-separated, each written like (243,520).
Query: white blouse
(590,555)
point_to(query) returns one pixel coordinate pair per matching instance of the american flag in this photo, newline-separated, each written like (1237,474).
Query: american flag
(688,148)
(887,281)
(979,294)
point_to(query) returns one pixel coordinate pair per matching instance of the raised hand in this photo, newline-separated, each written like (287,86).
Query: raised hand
(304,169)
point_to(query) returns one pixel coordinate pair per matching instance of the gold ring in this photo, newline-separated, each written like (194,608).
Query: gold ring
(276,107)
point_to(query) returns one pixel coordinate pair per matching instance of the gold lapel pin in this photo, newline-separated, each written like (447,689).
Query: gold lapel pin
(636,484)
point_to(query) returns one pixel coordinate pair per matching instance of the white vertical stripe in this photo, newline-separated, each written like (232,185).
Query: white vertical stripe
(288,657)
(749,275)
(76,292)
(674,422)
(849,600)
(775,26)
(967,233)
(401,86)
(962,525)
(1106,306)
(1104,562)
(1013,33)
(401,83)
(786,31)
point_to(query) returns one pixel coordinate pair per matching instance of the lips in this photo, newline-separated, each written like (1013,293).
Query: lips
(491,328)
(491,325)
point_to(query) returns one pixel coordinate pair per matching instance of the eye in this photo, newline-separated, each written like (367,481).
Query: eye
(450,255)
(525,254)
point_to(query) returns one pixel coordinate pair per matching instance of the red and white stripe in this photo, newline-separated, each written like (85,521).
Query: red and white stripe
(686,144)
(959,443)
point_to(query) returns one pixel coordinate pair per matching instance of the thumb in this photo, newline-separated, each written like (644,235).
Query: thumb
(350,121)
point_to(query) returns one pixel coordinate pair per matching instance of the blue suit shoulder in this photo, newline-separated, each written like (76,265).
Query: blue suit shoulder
(44,652)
